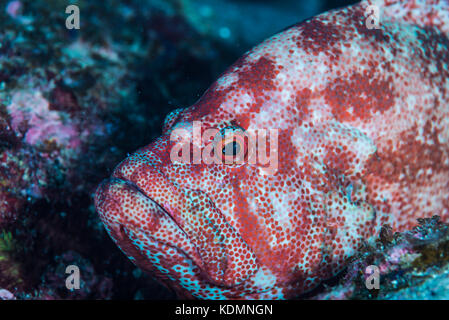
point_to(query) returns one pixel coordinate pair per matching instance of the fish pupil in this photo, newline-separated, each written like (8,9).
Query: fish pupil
(231,149)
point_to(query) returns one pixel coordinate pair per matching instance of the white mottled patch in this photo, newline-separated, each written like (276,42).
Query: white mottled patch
(261,118)
(264,278)
(322,68)
(227,80)
(281,209)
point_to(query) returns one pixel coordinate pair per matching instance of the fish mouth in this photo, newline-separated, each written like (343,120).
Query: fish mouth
(123,204)
(161,209)
(133,214)
(149,215)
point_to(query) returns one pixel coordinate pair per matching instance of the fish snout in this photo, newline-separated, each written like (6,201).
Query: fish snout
(145,213)
(122,206)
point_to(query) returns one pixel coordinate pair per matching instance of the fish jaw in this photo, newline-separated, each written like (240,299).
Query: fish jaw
(176,233)
(143,229)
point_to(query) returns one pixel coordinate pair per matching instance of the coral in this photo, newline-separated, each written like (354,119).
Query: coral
(10,273)
(53,282)
(43,125)
(6,295)
(412,265)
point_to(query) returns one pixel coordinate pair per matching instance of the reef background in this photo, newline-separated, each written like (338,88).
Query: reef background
(74,103)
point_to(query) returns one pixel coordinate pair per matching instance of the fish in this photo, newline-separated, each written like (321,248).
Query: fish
(352,108)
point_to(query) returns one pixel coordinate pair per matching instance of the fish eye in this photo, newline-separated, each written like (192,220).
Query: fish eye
(232,148)
(231,145)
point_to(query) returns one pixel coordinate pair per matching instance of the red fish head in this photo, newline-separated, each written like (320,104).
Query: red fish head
(176,207)
(216,209)
(231,200)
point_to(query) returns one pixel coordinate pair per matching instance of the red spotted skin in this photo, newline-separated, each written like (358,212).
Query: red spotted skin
(363,119)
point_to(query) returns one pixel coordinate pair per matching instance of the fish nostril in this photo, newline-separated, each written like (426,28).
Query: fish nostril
(171,119)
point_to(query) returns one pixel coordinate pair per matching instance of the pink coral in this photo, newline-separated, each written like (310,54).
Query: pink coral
(6,295)
(43,124)
(13,8)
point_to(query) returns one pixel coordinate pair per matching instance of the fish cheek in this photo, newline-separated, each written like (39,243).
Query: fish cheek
(227,259)
(349,224)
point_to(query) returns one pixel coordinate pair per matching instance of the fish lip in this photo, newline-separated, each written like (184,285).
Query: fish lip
(183,249)
(162,208)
